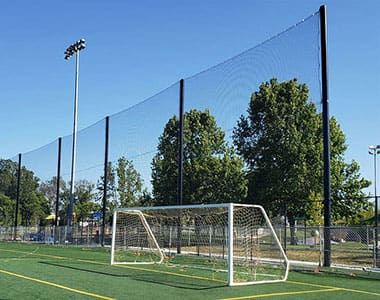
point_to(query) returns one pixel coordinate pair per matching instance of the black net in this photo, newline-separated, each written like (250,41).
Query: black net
(39,185)
(134,138)
(225,89)
(88,176)
(219,111)
(144,161)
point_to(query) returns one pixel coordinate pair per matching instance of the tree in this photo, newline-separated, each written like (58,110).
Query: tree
(7,207)
(85,203)
(111,201)
(212,171)
(34,206)
(129,183)
(8,178)
(280,141)
(49,189)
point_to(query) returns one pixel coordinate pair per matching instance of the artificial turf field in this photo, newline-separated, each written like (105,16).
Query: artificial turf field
(32,271)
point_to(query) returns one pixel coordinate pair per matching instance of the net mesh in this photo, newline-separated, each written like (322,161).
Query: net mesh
(194,240)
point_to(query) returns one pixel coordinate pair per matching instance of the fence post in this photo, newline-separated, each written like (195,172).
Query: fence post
(105,178)
(304,232)
(17,196)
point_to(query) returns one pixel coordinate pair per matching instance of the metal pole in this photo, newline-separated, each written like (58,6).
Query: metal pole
(180,161)
(105,178)
(73,155)
(58,181)
(17,196)
(376,215)
(180,143)
(326,138)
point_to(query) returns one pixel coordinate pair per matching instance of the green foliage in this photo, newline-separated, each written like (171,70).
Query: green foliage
(34,206)
(212,171)
(281,142)
(8,178)
(7,210)
(129,183)
(84,204)
(111,201)
(49,189)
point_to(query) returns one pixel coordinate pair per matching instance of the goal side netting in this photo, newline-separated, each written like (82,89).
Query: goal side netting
(232,243)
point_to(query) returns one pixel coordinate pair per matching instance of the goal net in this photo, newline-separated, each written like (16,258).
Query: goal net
(232,243)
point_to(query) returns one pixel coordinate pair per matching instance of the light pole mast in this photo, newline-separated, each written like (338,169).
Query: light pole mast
(70,51)
(374,150)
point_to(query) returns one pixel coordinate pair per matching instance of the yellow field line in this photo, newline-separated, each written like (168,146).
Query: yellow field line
(188,276)
(283,294)
(56,285)
(331,287)
(32,253)
(119,266)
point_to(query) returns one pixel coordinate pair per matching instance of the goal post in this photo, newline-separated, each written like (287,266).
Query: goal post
(231,243)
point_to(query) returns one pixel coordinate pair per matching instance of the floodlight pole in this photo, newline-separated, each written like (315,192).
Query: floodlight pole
(70,51)
(74,145)
(326,139)
(374,150)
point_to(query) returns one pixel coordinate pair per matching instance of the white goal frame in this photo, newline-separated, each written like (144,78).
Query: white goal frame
(230,236)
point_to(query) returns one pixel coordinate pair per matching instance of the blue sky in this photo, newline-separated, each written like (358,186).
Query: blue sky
(137,48)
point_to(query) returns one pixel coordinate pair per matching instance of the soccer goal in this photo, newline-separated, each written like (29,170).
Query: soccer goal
(231,243)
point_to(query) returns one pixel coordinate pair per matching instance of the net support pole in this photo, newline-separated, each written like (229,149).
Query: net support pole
(105,178)
(180,144)
(58,181)
(17,196)
(180,160)
(326,139)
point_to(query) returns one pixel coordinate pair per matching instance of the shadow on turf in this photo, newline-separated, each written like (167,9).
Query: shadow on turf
(157,278)
(341,273)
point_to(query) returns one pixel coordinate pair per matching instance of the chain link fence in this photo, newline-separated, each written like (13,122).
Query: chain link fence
(87,235)
(352,246)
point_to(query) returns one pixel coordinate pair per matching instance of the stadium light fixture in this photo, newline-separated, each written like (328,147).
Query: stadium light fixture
(374,150)
(72,50)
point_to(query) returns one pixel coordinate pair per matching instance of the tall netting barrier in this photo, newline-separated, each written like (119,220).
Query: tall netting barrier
(137,154)
(244,122)
(89,184)
(248,130)
(225,90)
(38,191)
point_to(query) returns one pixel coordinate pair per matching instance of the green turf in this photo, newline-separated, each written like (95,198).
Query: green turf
(88,270)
